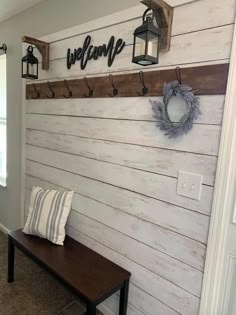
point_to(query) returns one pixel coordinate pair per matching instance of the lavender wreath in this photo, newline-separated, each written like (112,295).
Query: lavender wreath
(185,124)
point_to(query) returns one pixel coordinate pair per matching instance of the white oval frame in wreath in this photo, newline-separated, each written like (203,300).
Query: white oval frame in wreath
(185,124)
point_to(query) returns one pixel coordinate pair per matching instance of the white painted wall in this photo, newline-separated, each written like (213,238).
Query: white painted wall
(124,170)
(47,17)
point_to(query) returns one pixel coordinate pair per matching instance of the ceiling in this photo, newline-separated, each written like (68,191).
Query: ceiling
(9,8)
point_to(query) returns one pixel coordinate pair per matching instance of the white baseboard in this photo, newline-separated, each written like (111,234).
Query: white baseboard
(4,229)
(105,310)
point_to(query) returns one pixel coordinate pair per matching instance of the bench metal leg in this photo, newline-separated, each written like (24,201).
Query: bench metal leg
(124,298)
(11,258)
(91,309)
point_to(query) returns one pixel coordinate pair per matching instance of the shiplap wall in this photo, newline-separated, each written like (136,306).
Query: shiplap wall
(124,170)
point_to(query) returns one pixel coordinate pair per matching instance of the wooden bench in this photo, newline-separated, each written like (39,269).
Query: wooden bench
(92,277)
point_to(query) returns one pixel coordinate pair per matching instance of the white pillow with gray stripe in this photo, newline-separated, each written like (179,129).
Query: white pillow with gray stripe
(48,214)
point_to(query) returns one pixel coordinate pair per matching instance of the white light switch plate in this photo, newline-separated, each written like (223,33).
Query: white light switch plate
(189,185)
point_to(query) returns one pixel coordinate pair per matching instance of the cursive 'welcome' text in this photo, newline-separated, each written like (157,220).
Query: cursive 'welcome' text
(89,52)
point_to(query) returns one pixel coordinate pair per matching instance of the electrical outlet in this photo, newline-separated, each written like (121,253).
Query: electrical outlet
(189,185)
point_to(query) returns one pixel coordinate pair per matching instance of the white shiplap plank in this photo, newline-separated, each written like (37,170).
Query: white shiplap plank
(111,305)
(144,295)
(133,108)
(145,302)
(131,250)
(58,50)
(202,15)
(163,265)
(115,18)
(125,30)
(194,46)
(103,22)
(175,245)
(173,218)
(213,14)
(167,293)
(165,162)
(81,75)
(143,279)
(153,185)
(175,3)
(154,285)
(202,138)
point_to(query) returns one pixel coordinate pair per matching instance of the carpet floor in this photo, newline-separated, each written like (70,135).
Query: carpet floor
(34,290)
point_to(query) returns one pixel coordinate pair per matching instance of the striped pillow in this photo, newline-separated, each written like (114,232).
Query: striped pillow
(48,214)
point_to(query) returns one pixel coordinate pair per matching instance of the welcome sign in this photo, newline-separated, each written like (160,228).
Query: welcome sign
(89,52)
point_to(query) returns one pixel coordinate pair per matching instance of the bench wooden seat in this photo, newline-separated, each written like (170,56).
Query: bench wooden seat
(91,276)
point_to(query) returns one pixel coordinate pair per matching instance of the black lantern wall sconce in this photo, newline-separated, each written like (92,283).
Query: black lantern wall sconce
(29,62)
(29,65)
(146,41)
(150,39)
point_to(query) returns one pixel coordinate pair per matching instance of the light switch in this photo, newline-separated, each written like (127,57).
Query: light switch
(189,185)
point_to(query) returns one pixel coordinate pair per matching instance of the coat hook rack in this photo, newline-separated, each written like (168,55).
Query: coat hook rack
(51,90)
(145,89)
(88,87)
(68,89)
(36,92)
(178,75)
(115,90)
(163,14)
(4,48)
(43,48)
(205,80)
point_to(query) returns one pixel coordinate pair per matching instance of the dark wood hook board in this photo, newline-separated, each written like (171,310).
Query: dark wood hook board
(206,80)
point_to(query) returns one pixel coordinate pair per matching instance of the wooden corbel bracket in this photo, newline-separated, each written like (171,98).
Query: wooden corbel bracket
(43,48)
(163,13)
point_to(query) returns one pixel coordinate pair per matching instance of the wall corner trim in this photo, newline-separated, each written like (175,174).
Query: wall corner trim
(223,202)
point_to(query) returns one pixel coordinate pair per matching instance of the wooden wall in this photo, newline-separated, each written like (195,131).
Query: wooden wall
(124,170)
